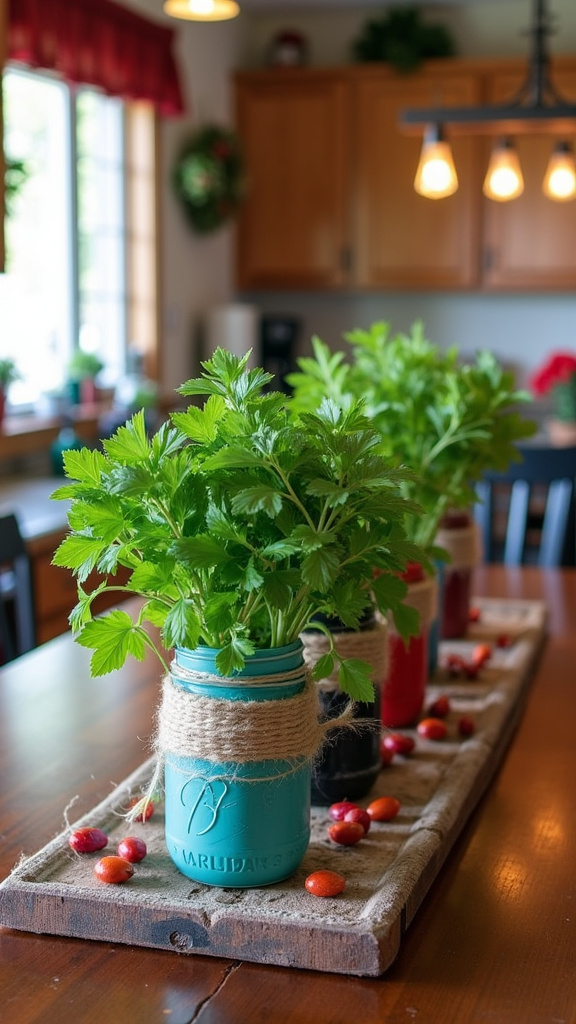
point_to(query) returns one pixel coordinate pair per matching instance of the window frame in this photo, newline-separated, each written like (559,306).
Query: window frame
(141,190)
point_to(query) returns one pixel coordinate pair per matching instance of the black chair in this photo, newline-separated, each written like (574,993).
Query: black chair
(535,500)
(17,633)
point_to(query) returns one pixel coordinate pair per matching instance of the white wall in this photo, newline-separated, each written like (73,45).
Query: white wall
(198,272)
(480,28)
(519,329)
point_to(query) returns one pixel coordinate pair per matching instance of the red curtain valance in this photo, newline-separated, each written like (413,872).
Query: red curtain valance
(97,42)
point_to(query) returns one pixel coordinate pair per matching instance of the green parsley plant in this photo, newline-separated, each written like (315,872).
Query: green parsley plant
(238,521)
(448,420)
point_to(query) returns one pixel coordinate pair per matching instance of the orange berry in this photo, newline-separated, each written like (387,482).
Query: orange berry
(325,883)
(113,870)
(384,808)
(481,653)
(346,833)
(432,728)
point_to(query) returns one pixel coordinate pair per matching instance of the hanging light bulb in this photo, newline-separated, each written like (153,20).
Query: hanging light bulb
(202,10)
(560,178)
(503,179)
(436,175)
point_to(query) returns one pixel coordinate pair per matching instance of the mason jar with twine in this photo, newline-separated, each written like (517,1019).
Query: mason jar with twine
(235,755)
(463,544)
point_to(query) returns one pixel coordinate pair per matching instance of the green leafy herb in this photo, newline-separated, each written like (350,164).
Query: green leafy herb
(239,522)
(446,419)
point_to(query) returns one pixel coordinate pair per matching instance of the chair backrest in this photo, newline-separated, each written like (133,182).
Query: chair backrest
(17,633)
(546,479)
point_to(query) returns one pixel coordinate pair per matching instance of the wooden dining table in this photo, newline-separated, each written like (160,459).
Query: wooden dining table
(494,940)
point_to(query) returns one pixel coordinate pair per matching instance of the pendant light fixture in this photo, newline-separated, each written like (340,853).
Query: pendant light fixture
(536,109)
(436,175)
(560,178)
(503,179)
(202,10)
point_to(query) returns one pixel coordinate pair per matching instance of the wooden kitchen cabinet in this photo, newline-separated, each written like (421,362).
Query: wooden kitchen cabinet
(330,199)
(293,229)
(331,202)
(530,242)
(402,239)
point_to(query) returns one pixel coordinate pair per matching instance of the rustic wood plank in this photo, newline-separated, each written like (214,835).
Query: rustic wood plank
(388,873)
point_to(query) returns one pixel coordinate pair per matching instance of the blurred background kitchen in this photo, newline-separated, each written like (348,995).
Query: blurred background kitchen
(117,281)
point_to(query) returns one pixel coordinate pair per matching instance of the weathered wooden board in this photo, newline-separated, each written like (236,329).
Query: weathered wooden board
(388,873)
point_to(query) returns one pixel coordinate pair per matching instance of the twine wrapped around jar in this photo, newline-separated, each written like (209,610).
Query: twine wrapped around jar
(233,732)
(370,645)
(219,730)
(463,544)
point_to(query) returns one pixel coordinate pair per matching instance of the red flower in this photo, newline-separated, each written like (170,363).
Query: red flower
(558,369)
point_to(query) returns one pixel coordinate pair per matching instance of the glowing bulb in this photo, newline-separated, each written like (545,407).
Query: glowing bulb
(202,10)
(504,179)
(436,175)
(560,179)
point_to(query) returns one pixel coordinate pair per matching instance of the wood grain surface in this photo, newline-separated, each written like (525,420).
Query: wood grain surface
(388,873)
(494,940)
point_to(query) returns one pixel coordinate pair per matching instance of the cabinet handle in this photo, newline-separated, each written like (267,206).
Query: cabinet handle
(346,259)
(490,258)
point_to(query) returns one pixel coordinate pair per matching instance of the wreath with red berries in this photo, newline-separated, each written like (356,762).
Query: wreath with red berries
(208,178)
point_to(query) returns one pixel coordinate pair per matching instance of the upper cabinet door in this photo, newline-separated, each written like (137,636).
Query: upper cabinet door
(292,231)
(402,239)
(530,242)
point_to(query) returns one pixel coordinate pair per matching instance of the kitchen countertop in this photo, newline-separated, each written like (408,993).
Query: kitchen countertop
(29,499)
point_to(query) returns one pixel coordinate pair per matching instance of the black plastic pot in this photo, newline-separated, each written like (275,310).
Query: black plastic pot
(349,762)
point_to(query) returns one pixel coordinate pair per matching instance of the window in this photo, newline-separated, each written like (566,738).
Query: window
(76,253)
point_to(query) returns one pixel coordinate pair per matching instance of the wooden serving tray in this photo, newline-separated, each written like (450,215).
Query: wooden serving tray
(388,873)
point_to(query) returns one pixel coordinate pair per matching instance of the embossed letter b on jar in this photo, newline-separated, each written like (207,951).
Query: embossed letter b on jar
(237,755)
(460,537)
(349,762)
(405,686)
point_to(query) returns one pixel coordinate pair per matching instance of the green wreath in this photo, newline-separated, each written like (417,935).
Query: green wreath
(208,178)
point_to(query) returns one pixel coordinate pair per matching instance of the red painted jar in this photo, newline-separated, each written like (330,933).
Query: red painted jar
(405,687)
(459,536)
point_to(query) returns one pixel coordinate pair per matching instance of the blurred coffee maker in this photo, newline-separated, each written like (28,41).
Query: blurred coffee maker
(278,346)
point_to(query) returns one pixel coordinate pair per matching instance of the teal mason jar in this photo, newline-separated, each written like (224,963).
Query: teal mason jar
(238,804)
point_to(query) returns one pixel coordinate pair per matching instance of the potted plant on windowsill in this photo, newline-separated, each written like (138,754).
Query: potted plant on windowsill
(239,521)
(8,374)
(82,371)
